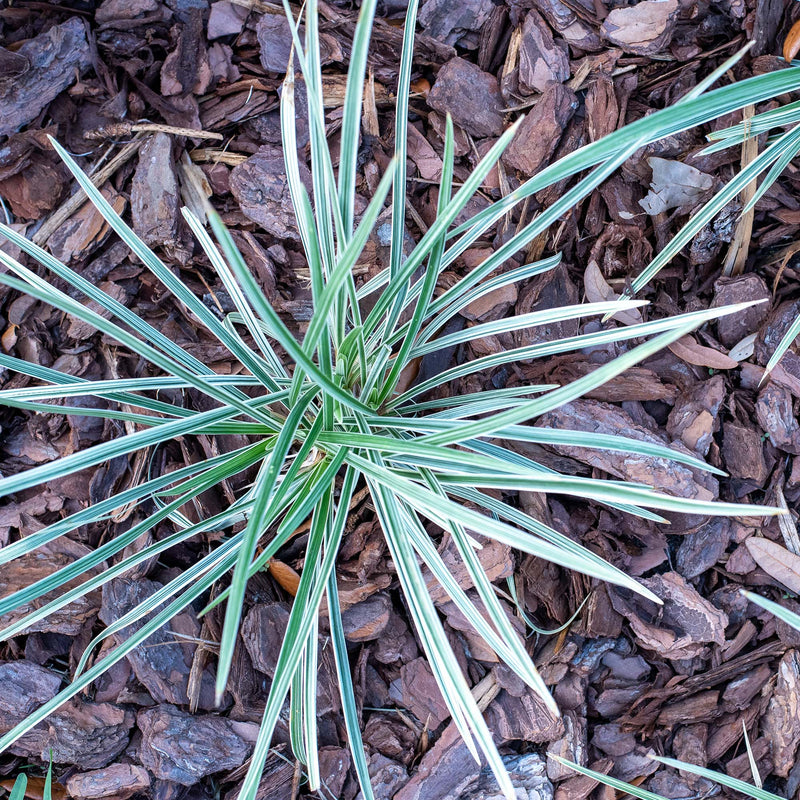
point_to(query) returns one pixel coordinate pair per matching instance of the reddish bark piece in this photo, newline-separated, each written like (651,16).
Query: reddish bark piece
(525,717)
(334,762)
(495,558)
(781,723)
(644,28)
(184,748)
(390,736)
(471,97)
(727,291)
(155,198)
(55,58)
(682,627)
(164,662)
(444,772)
(450,22)
(540,132)
(85,230)
(34,190)
(541,59)
(418,691)
(590,415)
(262,190)
(694,417)
(115,781)
(366,621)
(31,567)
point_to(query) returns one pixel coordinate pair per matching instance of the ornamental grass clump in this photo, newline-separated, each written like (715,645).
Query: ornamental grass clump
(323,416)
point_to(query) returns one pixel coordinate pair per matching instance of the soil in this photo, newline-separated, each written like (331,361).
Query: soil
(162,98)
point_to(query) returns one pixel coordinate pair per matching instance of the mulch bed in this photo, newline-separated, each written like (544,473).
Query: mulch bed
(166,98)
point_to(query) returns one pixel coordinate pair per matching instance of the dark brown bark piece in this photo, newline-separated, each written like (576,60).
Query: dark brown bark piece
(781,723)
(776,416)
(702,549)
(262,190)
(471,97)
(743,454)
(184,748)
(155,198)
(123,10)
(26,686)
(444,772)
(745,288)
(568,24)
(164,661)
(226,19)
(525,717)
(644,28)
(541,59)
(694,417)
(118,781)
(56,58)
(263,630)
(540,132)
(450,22)
(34,190)
(774,328)
(89,735)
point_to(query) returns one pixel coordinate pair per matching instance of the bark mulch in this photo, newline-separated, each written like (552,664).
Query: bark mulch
(162,99)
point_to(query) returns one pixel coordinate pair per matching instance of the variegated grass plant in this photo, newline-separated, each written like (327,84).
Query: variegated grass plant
(326,416)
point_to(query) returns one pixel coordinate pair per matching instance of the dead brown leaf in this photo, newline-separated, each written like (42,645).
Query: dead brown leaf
(776,561)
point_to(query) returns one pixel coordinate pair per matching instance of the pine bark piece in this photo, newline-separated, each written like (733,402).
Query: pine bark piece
(55,58)
(644,28)
(682,627)
(566,22)
(596,417)
(89,735)
(776,416)
(471,97)
(743,454)
(118,781)
(541,60)
(538,136)
(26,686)
(184,748)
(366,621)
(418,691)
(163,663)
(155,198)
(450,22)
(781,723)
(34,566)
(262,190)
(741,289)
(695,416)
